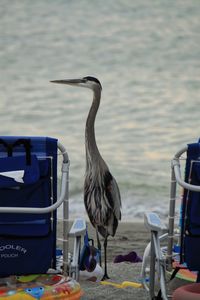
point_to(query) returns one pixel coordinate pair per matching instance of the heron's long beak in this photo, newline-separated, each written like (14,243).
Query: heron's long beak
(69,81)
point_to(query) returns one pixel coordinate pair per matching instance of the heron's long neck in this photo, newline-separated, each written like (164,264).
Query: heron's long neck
(92,151)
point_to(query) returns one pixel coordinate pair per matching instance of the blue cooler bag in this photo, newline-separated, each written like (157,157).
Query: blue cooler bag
(26,240)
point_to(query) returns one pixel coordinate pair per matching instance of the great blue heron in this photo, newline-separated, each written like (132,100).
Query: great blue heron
(101,193)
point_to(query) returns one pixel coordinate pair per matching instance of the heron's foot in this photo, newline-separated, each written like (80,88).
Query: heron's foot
(105,277)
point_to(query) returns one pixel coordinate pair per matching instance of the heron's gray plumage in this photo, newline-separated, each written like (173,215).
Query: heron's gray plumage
(101,193)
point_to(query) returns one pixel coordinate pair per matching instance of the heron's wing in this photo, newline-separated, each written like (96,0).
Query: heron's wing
(117,203)
(113,195)
(118,199)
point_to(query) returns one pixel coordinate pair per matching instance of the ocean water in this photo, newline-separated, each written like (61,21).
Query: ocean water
(146,54)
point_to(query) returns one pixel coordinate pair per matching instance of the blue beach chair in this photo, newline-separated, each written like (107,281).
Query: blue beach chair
(183,241)
(28,203)
(28,220)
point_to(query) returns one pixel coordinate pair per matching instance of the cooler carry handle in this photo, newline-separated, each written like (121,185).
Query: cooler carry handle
(25,142)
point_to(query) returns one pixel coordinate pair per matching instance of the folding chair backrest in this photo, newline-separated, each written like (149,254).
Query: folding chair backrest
(190,237)
(28,178)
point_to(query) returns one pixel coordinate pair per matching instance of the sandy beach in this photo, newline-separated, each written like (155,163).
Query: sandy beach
(129,237)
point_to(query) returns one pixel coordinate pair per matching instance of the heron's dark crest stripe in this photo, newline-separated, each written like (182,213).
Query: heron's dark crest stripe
(90,78)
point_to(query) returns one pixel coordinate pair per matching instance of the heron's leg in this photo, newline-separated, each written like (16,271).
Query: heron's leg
(98,245)
(105,276)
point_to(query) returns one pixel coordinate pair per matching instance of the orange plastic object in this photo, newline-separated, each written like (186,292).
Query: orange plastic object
(41,286)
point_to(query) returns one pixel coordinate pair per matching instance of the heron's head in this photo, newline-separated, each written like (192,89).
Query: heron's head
(88,82)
